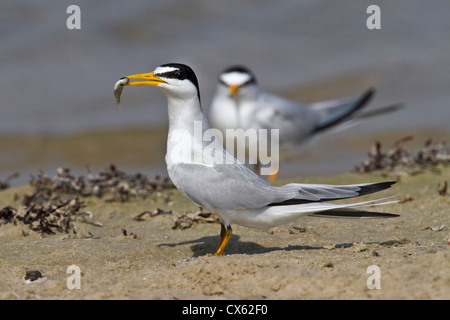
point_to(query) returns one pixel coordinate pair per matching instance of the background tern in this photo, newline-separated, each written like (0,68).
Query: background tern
(240,103)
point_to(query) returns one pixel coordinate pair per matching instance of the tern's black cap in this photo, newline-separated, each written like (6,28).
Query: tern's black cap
(183,72)
(241,69)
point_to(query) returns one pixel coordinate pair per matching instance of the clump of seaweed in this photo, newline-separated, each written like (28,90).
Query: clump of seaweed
(8,214)
(151,214)
(56,214)
(54,203)
(113,182)
(187,219)
(397,158)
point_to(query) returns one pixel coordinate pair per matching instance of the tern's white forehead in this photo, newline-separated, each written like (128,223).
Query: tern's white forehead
(237,78)
(164,69)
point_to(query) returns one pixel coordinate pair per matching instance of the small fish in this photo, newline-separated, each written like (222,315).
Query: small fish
(118,87)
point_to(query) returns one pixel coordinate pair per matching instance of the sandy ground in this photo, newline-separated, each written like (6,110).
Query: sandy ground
(311,258)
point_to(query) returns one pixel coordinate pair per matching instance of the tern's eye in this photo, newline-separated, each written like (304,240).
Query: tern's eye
(180,75)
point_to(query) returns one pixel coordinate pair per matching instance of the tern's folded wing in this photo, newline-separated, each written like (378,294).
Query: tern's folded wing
(225,186)
(234,187)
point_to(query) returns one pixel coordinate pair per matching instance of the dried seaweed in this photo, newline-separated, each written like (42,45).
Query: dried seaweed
(130,235)
(184,220)
(54,203)
(187,219)
(113,182)
(55,215)
(7,214)
(398,158)
(151,214)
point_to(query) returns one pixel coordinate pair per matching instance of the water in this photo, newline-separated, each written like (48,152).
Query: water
(57,81)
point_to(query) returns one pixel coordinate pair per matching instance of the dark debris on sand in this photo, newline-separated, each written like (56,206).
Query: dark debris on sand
(151,214)
(54,203)
(398,159)
(183,220)
(56,214)
(115,183)
(186,219)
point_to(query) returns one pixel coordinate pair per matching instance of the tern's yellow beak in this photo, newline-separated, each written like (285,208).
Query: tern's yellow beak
(233,89)
(148,79)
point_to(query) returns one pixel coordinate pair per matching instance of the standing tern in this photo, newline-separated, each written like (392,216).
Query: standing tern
(240,103)
(213,179)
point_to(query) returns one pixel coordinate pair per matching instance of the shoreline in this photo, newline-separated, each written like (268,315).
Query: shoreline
(143,149)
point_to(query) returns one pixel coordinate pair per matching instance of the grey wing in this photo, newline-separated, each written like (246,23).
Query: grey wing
(308,193)
(226,186)
(234,186)
(294,120)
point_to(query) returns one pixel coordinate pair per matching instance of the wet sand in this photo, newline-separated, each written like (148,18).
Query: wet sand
(126,147)
(310,258)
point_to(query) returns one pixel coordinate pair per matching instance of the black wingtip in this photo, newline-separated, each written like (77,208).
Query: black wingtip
(363,100)
(354,214)
(363,190)
(375,187)
(366,97)
(371,91)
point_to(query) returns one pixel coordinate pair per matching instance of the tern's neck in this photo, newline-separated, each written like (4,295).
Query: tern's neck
(183,113)
(190,138)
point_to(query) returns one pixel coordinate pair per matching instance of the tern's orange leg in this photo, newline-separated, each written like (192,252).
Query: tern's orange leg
(273,176)
(225,234)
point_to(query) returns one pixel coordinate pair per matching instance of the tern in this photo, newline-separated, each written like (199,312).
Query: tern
(239,102)
(210,177)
